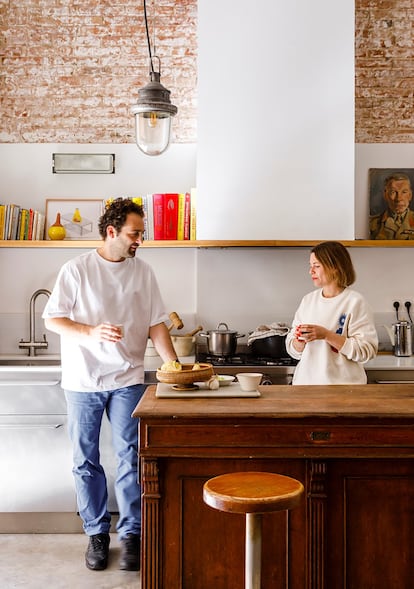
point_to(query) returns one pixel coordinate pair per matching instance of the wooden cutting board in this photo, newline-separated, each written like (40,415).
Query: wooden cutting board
(231,390)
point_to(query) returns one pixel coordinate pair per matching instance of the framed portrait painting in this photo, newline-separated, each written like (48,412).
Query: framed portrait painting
(391,207)
(78,216)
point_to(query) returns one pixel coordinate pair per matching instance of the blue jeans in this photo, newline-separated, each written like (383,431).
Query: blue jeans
(85,412)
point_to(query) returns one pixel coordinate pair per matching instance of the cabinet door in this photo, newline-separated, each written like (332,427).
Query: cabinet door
(36,464)
(204,548)
(370,524)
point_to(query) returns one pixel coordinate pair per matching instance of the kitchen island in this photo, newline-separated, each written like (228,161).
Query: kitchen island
(352,448)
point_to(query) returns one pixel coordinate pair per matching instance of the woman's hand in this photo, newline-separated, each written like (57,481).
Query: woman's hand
(307,332)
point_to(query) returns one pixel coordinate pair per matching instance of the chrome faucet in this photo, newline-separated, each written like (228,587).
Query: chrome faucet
(32,344)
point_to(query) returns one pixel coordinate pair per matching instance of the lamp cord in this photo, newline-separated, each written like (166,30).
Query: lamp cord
(148,37)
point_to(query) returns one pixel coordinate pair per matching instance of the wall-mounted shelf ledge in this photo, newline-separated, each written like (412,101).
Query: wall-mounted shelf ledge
(68,244)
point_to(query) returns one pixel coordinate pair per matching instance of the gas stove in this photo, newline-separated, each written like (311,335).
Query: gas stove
(275,370)
(243,359)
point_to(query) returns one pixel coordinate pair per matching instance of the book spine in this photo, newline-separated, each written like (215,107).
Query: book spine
(180,223)
(170,216)
(22,223)
(187,213)
(158,206)
(26,224)
(2,219)
(13,221)
(30,229)
(19,225)
(193,215)
(150,213)
(145,209)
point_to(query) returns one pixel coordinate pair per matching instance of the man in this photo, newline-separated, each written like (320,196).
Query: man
(397,221)
(104,305)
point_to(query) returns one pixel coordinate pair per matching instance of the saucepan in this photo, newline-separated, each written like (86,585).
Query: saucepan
(221,341)
(270,347)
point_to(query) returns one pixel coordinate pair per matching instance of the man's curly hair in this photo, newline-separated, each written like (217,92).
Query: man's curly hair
(116,213)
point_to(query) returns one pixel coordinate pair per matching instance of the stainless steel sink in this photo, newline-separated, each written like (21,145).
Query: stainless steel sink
(19,360)
(30,371)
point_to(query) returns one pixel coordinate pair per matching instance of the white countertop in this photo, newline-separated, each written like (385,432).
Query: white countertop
(389,361)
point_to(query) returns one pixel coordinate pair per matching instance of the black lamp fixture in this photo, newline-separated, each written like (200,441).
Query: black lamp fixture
(153,111)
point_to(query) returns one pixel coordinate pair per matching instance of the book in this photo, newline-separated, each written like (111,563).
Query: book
(6,221)
(13,221)
(23,223)
(158,206)
(40,229)
(150,215)
(170,215)
(180,223)
(187,213)
(30,228)
(193,214)
(2,220)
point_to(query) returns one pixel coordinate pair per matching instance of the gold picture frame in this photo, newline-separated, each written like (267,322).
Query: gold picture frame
(78,216)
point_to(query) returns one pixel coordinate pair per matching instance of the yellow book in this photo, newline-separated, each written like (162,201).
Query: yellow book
(180,223)
(2,214)
(193,214)
(23,223)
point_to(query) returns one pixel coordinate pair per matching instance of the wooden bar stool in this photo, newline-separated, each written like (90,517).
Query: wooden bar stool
(252,493)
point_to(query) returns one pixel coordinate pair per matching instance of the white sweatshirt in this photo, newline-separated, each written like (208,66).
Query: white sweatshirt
(92,290)
(349,314)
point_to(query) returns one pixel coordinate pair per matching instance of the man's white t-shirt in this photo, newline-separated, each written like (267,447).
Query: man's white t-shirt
(92,290)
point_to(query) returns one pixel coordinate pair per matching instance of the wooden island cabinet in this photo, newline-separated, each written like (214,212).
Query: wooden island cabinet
(351,446)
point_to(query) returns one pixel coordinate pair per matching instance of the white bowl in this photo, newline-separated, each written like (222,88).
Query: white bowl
(249,381)
(225,379)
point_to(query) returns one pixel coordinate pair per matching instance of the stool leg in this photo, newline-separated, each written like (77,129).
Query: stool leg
(253,550)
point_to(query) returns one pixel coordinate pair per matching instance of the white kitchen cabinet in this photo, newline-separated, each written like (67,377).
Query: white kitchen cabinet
(35,450)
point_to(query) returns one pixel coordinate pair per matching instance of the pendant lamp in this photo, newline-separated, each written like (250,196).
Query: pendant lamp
(153,110)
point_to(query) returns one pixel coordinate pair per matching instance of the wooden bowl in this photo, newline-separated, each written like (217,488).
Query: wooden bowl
(186,376)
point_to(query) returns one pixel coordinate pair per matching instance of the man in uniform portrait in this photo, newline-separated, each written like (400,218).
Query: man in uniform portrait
(397,220)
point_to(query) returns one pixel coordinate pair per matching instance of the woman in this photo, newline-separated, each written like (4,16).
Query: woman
(333,332)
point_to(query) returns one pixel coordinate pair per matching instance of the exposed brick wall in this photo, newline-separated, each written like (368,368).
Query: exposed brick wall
(71,69)
(384,71)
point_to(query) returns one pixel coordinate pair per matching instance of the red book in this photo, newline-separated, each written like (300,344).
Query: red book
(30,232)
(170,216)
(187,209)
(158,208)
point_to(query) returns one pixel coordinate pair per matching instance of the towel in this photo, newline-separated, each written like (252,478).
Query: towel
(268,330)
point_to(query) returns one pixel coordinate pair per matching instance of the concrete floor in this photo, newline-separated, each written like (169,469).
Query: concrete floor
(57,561)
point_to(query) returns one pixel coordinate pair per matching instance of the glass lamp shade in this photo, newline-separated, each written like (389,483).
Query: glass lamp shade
(152,131)
(153,113)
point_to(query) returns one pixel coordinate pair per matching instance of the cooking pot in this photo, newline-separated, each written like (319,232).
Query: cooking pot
(221,341)
(273,346)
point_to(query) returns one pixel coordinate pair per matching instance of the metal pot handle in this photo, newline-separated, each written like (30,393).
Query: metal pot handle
(203,334)
(240,334)
(225,325)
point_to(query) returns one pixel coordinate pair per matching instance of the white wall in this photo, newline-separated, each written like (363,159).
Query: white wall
(276,119)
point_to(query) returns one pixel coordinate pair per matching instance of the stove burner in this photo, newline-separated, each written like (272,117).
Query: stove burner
(244,360)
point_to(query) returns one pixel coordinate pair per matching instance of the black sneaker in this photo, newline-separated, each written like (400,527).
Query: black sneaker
(130,553)
(96,556)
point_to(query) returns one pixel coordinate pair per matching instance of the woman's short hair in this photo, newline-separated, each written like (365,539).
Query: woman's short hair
(336,261)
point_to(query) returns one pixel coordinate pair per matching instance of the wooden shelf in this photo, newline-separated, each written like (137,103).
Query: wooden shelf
(68,244)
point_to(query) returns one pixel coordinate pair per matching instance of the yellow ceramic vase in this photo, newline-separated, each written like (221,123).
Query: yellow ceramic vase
(57,231)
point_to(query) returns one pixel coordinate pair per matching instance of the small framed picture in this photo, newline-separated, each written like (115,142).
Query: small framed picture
(79,217)
(391,208)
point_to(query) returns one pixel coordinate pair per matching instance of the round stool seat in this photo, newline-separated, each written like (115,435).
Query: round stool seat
(252,492)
